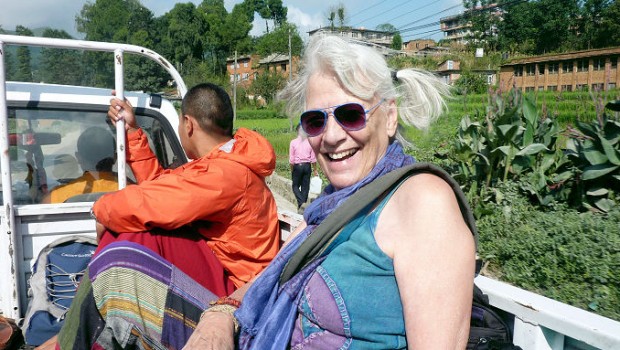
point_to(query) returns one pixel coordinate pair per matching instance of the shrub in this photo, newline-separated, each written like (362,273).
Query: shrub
(560,253)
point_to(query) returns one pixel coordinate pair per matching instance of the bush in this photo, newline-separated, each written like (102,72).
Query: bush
(560,253)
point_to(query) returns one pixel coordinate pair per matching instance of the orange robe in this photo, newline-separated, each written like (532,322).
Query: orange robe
(223,196)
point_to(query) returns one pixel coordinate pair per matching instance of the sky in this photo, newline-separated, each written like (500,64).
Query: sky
(415,19)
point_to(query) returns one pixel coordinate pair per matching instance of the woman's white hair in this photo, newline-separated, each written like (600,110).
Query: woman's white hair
(363,72)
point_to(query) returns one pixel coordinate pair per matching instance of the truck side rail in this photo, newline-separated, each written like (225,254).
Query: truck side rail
(541,323)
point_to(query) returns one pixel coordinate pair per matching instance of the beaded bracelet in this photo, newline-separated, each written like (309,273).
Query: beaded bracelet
(226,301)
(224,305)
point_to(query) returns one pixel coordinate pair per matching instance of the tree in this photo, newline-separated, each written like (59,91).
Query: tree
(277,41)
(9,61)
(331,17)
(183,40)
(397,41)
(60,66)
(483,16)
(267,83)
(471,83)
(121,21)
(609,30)
(271,10)
(24,68)
(341,15)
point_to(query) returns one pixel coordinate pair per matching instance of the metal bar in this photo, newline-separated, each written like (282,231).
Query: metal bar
(8,259)
(98,46)
(120,124)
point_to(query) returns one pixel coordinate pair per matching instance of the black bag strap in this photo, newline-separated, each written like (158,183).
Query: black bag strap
(328,230)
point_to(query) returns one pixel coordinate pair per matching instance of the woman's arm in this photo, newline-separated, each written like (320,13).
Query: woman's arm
(423,230)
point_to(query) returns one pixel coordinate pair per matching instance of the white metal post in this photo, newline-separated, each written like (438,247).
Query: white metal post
(119,86)
(9,267)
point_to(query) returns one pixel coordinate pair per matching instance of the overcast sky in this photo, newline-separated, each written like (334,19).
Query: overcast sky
(416,19)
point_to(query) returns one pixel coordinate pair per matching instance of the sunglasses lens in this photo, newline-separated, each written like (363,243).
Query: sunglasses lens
(313,122)
(351,116)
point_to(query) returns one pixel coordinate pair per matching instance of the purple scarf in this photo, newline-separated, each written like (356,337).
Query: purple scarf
(268,312)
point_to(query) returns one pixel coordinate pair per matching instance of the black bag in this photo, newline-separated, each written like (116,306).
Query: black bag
(487,329)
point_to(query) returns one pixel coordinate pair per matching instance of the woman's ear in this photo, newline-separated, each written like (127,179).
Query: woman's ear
(392,118)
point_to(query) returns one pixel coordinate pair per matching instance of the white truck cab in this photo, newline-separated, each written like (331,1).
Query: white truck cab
(39,128)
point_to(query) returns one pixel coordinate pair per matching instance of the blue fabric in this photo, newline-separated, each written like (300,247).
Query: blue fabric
(269,310)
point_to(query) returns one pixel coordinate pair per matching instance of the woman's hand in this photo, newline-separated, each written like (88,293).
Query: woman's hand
(216,330)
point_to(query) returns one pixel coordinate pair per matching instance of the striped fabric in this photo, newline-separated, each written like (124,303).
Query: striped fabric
(140,301)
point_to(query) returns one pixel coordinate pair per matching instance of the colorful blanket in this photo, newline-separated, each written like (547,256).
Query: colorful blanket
(135,299)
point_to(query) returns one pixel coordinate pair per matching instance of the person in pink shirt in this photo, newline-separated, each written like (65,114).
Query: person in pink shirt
(303,164)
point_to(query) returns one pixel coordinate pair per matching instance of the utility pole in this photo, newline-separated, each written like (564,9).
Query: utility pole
(235,89)
(290,57)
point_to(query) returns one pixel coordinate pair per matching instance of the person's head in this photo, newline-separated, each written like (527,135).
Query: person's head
(349,99)
(207,107)
(96,149)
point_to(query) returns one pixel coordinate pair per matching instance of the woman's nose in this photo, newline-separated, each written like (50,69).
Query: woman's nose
(333,131)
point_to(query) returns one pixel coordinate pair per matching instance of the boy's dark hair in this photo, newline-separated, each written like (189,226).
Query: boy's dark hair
(211,107)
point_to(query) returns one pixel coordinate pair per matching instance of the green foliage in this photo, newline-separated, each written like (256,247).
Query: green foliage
(594,149)
(267,84)
(565,255)
(471,83)
(277,41)
(513,142)
(24,70)
(60,66)
(253,114)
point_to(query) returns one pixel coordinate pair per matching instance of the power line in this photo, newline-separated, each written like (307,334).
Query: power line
(427,17)
(386,11)
(380,2)
(419,8)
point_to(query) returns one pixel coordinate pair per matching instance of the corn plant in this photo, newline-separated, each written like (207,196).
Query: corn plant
(594,148)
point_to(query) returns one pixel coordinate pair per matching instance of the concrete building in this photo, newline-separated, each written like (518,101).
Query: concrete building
(457,28)
(580,70)
(450,71)
(380,40)
(414,47)
(245,70)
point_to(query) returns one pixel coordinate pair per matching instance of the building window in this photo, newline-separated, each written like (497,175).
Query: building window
(553,68)
(597,87)
(567,67)
(541,69)
(529,89)
(611,86)
(490,79)
(613,62)
(581,87)
(245,76)
(450,64)
(598,64)
(541,88)
(232,78)
(530,69)
(552,88)
(582,66)
(283,67)
(245,65)
(567,88)
(518,71)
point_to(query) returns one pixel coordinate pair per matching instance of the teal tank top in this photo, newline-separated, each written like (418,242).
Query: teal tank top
(352,300)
